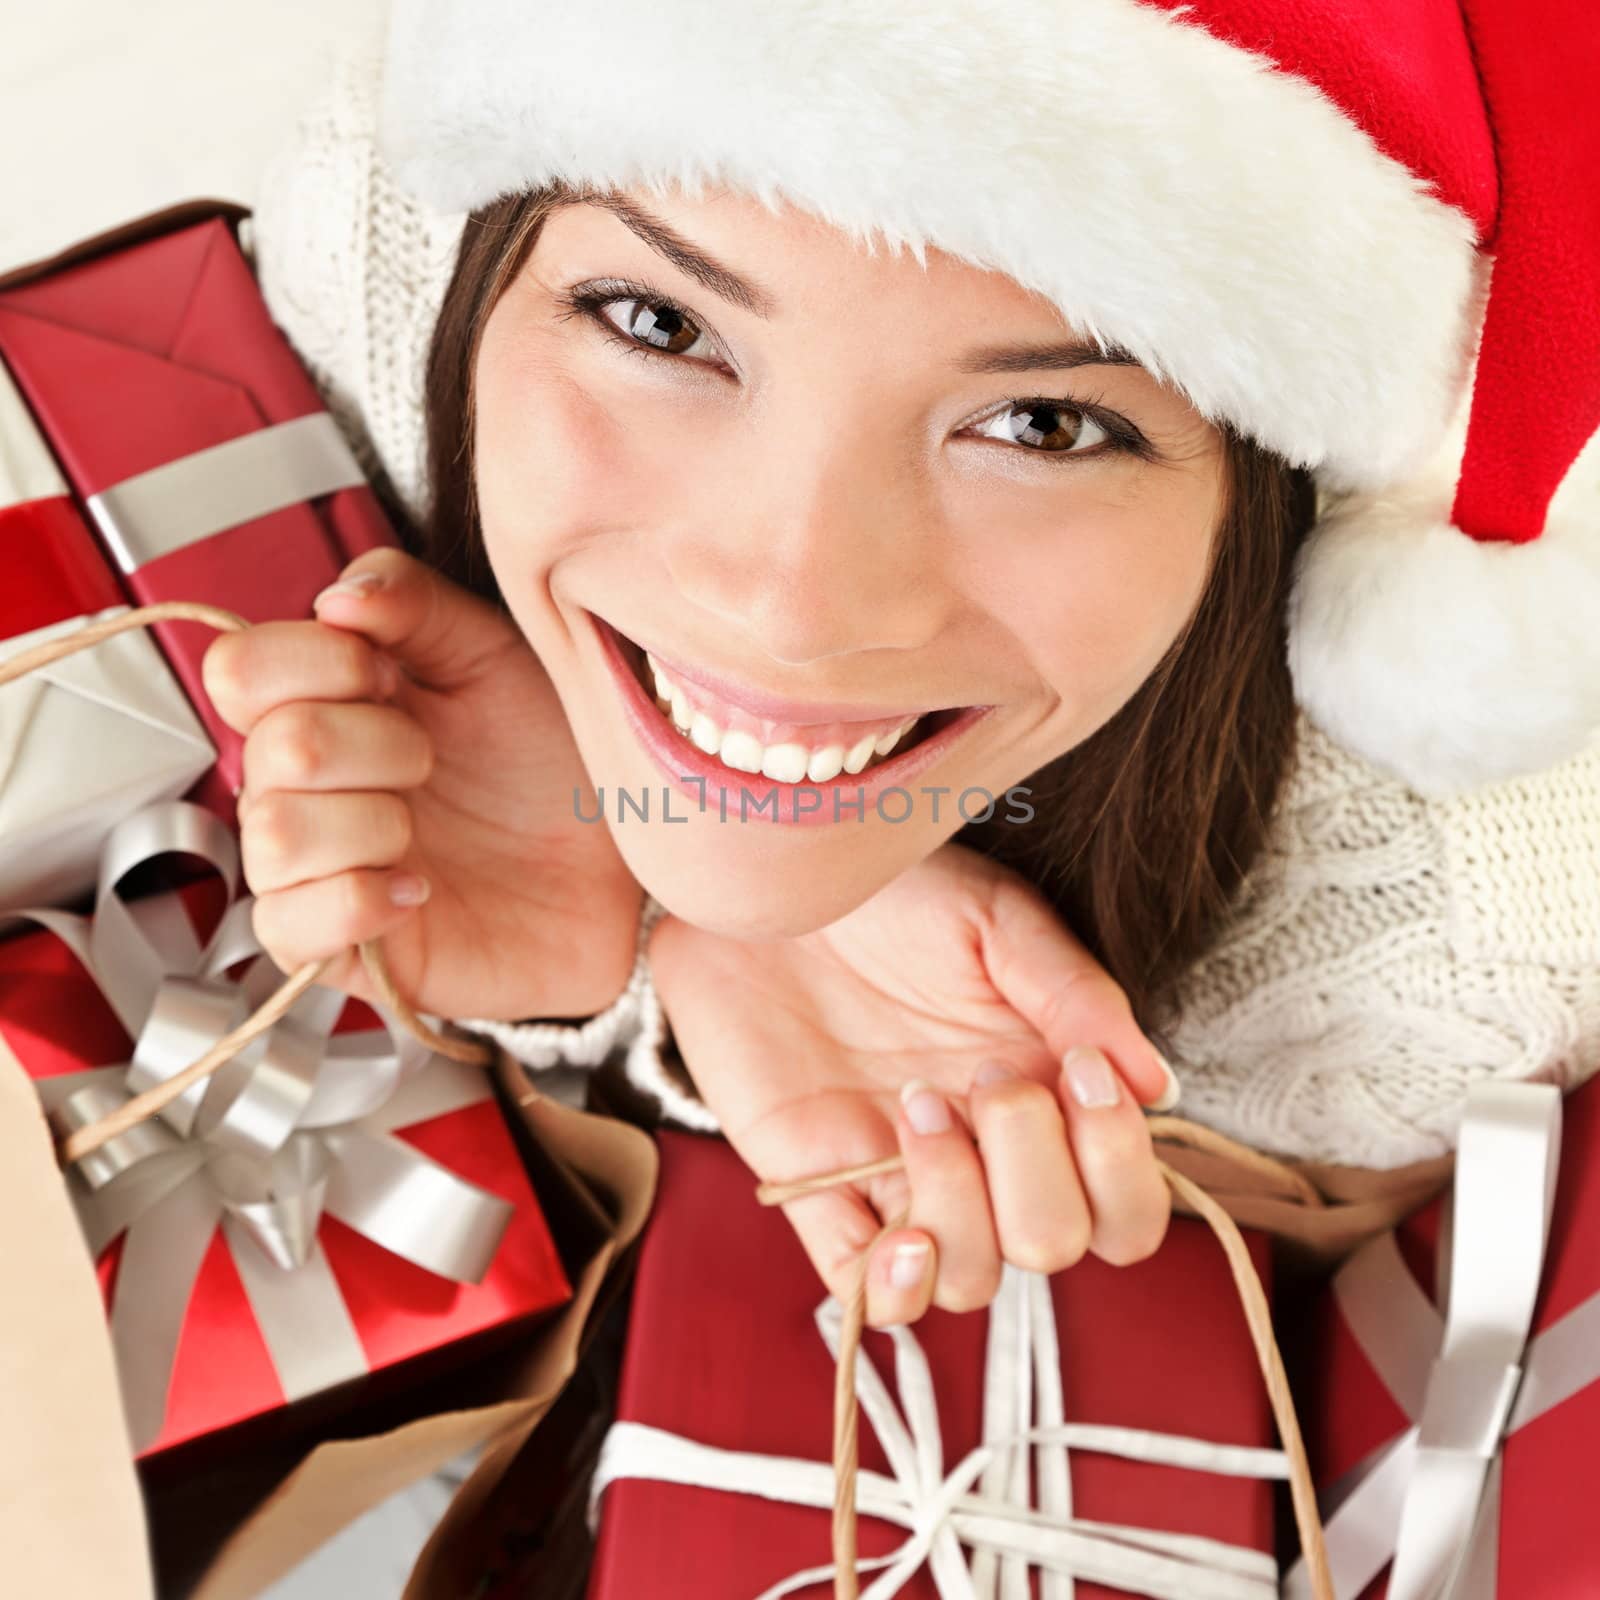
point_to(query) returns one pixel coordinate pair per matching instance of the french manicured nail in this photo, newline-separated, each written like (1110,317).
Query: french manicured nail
(1090,1078)
(407,889)
(1169,1096)
(926,1109)
(358,586)
(991,1072)
(908,1264)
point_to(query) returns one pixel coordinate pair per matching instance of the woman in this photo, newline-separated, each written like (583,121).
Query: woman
(679,418)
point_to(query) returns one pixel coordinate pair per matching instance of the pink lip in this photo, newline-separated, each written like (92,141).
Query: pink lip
(775,708)
(715,787)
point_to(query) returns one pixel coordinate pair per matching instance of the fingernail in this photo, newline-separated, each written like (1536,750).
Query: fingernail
(388,676)
(908,1264)
(1169,1096)
(991,1072)
(1090,1078)
(357,586)
(407,889)
(926,1109)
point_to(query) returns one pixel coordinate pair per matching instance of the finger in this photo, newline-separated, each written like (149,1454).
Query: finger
(320,745)
(247,674)
(1129,1200)
(439,632)
(325,918)
(1041,1214)
(287,838)
(949,1198)
(836,1227)
(1053,981)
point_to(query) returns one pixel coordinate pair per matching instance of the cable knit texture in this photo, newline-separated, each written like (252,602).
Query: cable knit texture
(1387,948)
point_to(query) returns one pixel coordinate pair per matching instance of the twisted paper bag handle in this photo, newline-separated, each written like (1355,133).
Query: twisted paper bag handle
(1254,1300)
(88,1139)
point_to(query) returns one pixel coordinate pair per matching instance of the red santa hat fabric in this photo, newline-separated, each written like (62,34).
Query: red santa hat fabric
(1364,232)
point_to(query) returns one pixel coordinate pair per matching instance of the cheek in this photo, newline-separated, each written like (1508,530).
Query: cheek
(552,464)
(1094,596)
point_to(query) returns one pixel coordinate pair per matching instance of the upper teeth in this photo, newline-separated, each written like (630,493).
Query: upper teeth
(783,763)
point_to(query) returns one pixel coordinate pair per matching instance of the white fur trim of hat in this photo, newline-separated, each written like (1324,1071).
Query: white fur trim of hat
(1368,238)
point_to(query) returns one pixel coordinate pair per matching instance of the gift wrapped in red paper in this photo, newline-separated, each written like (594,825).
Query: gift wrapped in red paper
(93,737)
(335,1202)
(187,425)
(726,1364)
(1453,1403)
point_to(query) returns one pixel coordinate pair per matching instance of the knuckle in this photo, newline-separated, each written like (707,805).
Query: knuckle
(1125,1246)
(296,749)
(1018,1102)
(267,835)
(1137,1237)
(1089,993)
(354,906)
(1049,1252)
(266,922)
(394,822)
(222,673)
(968,1290)
(427,758)
(352,660)
(1117,1137)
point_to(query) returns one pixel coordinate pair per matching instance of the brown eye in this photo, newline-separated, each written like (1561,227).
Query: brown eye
(1045,427)
(655,325)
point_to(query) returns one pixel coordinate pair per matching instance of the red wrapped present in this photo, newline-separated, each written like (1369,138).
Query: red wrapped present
(333,1202)
(198,443)
(87,741)
(1453,1403)
(716,1482)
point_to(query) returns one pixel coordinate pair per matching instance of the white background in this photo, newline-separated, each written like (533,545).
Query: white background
(112,108)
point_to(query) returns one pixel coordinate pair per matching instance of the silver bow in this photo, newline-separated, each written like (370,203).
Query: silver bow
(296,1126)
(982,1501)
(1430,1498)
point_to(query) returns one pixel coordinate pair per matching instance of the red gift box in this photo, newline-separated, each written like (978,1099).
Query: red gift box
(723,1349)
(199,444)
(95,736)
(56,1021)
(1451,1399)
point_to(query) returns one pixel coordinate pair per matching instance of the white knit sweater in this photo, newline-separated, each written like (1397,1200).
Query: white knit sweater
(1385,951)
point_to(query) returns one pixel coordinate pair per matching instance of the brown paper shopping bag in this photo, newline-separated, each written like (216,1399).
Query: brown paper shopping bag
(70,1517)
(70,1505)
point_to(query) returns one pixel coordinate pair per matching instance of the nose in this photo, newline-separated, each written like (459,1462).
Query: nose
(821,543)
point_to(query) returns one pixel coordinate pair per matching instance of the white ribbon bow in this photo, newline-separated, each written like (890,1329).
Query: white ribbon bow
(1430,1498)
(944,1511)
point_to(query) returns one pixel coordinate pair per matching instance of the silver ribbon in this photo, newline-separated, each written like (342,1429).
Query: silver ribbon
(182,502)
(983,1501)
(1429,1500)
(298,1125)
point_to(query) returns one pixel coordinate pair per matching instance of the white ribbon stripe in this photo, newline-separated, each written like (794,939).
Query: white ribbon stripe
(983,1502)
(1429,1500)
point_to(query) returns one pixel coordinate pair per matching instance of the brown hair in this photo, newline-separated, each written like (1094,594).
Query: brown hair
(1142,833)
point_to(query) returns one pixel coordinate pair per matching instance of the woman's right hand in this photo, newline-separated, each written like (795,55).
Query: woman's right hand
(409,775)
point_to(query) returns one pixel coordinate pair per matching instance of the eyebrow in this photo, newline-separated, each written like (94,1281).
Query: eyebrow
(749,295)
(687,258)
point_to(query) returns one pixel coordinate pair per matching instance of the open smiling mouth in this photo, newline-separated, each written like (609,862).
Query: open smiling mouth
(709,737)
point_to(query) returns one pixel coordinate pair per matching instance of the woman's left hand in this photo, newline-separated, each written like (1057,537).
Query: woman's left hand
(938,1021)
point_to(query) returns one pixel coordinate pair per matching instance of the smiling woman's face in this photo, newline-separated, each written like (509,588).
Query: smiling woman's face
(811,484)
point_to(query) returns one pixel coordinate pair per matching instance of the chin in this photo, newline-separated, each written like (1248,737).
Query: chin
(762,905)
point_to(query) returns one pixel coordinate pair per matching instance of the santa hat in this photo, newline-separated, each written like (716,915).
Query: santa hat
(1364,232)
